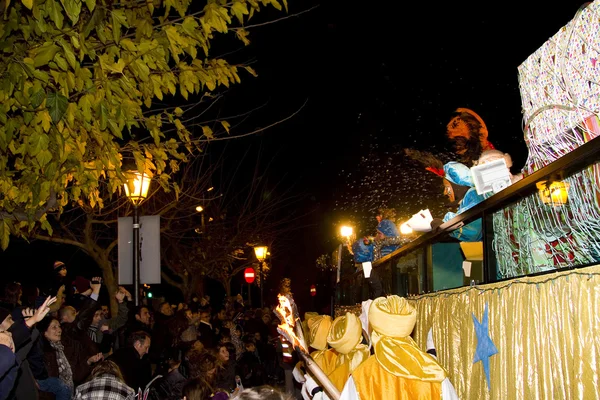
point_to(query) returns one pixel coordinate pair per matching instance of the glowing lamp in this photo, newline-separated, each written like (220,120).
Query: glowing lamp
(313,290)
(199,208)
(261,253)
(556,193)
(405,229)
(249,275)
(136,188)
(346,231)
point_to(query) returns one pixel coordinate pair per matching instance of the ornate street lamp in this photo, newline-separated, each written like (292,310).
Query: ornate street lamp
(136,189)
(261,255)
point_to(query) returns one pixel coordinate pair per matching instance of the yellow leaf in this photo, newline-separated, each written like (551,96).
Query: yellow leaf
(45,119)
(27,3)
(225,125)
(207,132)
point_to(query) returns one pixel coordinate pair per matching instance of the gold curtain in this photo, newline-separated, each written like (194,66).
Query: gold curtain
(546,330)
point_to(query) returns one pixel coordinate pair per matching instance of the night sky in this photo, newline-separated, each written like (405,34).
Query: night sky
(377,77)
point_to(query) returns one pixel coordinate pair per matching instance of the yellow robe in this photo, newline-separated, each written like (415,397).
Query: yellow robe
(325,359)
(373,382)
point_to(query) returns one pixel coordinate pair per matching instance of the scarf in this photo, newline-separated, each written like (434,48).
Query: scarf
(64,368)
(93,333)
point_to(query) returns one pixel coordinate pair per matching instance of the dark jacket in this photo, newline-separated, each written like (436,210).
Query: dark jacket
(8,371)
(162,337)
(136,372)
(168,387)
(226,376)
(206,335)
(75,355)
(78,329)
(25,340)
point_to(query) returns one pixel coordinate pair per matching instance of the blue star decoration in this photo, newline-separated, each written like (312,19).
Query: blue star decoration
(485,347)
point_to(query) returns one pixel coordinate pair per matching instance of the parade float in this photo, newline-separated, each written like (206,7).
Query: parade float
(521,321)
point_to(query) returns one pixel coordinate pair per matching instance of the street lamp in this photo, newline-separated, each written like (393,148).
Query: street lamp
(346,232)
(136,189)
(261,254)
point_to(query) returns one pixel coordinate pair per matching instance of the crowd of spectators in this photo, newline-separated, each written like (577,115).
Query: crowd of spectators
(63,342)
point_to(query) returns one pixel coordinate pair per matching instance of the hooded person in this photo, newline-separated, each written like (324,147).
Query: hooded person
(362,252)
(398,369)
(387,239)
(345,337)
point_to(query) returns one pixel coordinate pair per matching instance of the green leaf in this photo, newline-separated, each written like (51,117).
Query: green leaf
(72,8)
(91,4)
(44,54)
(55,12)
(27,3)
(95,20)
(119,15)
(44,157)
(57,105)
(69,55)
(103,116)
(38,98)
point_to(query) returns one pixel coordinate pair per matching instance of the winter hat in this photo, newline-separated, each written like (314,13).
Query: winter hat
(58,265)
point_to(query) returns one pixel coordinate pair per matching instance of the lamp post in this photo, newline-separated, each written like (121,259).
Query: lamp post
(136,189)
(261,255)
(346,232)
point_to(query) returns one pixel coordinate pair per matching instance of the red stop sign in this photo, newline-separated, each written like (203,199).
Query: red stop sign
(249,275)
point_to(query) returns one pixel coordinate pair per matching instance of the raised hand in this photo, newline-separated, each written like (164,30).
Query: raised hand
(126,292)
(96,284)
(95,358)
(27,313)
(41,312)
(120,296)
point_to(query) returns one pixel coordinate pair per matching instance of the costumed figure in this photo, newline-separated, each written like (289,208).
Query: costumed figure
(398,369)
(460,190)
(345,337)
(362,250)
(387,240)
(318,330)
(469,134)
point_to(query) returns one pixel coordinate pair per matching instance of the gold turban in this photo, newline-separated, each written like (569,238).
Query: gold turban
(318,328)
(345,333)
(393,319)
(345,337)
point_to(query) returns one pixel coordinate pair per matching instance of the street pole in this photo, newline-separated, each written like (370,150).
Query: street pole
(249,295)
(261,285)
(136,255)
(337,281)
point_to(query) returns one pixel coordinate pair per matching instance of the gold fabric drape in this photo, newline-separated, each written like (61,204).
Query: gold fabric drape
(546,330)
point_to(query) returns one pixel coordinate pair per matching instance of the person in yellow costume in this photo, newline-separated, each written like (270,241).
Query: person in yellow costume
(345,337)
(318,327)
(398,369)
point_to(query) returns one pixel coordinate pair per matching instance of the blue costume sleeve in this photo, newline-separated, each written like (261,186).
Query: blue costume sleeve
(472,231)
